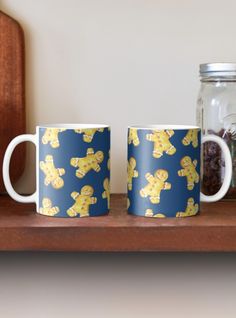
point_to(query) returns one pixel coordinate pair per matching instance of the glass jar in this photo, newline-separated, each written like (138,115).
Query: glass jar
(216,114)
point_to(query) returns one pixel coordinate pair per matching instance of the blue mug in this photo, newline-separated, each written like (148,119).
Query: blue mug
(72,170)
(164,170)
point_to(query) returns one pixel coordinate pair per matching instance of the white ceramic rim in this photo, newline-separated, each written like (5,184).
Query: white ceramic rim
(74,126)
(163,127)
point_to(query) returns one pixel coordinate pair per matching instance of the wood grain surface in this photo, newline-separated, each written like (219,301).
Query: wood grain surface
(12,92)
(21,229)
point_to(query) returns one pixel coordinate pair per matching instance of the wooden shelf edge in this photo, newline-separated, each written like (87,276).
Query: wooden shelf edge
(21,229)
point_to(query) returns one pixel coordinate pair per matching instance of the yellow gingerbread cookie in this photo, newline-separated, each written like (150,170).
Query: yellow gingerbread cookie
(106,193)
(133,137)
(47,208)
(192,209)
(132,173)
(191,137)
(51,136)
(52,174)
(128,203)
(161,141)
(189,171)
(83,200)
(155,185)
(90,162)
(88,134)
(149,213)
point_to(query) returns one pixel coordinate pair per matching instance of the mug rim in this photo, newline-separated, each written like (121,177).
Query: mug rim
(163,127)
(74,126)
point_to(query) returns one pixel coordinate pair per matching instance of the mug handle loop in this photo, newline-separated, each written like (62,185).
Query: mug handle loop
(6,164)
(228,169)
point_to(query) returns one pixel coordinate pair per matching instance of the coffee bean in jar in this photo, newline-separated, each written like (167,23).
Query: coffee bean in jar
(216,114)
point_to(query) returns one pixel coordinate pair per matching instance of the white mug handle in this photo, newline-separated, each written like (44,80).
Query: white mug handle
(228,169)
(5,169)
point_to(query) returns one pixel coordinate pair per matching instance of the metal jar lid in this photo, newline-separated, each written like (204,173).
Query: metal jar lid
(217,69)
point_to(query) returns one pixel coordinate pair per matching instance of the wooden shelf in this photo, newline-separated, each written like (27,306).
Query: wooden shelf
(21,229)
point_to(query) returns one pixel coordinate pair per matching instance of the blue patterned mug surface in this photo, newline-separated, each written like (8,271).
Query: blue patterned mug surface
(164,170)
(73,170)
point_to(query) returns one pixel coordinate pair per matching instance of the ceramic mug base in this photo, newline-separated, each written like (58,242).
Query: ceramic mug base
(66,216)
(162,216)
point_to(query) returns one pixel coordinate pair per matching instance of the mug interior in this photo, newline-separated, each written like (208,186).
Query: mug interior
(164,127)
(74,126)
